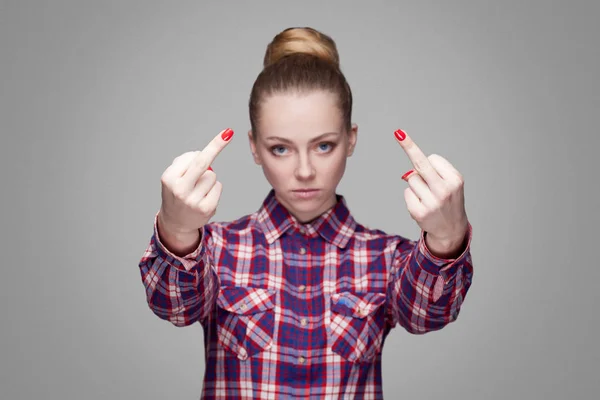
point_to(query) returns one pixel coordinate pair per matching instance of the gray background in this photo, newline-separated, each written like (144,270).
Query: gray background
(97,98)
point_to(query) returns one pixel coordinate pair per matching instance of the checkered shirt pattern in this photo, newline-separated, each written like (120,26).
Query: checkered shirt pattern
(301,310)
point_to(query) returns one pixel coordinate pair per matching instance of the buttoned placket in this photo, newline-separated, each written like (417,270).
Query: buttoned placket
(303,249)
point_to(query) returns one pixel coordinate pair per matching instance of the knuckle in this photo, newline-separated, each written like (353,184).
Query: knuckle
(164,178)
(179,192)
(189,203)
(211,175)
(456,187)
(168,174)
(181,157)
(455,184)
(204,209)
(418,216)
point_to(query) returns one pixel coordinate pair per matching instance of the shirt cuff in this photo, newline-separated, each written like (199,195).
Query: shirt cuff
(188,261)
(435,265)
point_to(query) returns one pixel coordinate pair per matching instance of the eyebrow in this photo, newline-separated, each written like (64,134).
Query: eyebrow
(316,139)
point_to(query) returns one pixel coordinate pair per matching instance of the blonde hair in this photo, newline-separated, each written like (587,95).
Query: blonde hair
(300,60)
(301,40)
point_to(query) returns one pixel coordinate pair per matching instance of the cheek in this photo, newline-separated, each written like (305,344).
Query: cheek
(275,171)
(337,165)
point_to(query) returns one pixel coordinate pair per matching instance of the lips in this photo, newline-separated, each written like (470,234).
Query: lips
(305,194)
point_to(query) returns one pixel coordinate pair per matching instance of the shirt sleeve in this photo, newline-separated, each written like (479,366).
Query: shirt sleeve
(181,290)
(426,291)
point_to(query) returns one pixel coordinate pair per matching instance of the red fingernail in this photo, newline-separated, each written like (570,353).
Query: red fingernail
(405,176)
(227,134)
(400,134)
(210,169)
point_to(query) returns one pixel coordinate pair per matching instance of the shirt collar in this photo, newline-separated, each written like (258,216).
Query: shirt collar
(336,225)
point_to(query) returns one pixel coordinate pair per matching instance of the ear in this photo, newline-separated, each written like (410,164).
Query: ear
(352,138)
(253,148)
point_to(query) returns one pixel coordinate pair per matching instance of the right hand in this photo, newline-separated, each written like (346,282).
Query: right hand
(190,190)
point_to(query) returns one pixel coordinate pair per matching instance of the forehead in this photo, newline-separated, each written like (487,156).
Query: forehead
(300,115)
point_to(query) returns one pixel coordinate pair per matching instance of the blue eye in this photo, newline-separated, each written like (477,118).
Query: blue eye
(278,150)
(325,147)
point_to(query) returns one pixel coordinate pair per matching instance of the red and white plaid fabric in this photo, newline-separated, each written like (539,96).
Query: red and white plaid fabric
(293,310)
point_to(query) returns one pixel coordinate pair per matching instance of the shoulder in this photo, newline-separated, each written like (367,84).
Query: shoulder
(364,234)
(374,237)
(244,225)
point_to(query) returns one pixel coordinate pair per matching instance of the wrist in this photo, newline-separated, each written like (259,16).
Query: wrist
(172,230)
(446,248)
(179,242)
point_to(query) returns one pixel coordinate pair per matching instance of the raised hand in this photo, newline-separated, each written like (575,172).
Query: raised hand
(190,190)
(435,197)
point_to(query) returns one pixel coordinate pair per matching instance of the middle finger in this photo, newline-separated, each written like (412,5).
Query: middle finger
(418,158)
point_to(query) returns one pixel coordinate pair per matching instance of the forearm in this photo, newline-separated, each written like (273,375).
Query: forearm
(429,291)
(178,289)
(173,294)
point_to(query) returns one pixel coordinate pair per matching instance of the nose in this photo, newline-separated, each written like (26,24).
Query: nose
(305,169)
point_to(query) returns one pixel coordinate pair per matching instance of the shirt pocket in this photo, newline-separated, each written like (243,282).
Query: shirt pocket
(245,319)
(357,325)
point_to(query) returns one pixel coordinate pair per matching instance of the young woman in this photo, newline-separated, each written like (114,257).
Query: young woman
(297,298)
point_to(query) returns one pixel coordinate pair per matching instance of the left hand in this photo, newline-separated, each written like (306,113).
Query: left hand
(435,196)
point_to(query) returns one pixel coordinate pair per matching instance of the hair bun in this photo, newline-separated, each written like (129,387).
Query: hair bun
(302,40)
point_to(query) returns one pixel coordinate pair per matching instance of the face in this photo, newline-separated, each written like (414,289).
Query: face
(302,147)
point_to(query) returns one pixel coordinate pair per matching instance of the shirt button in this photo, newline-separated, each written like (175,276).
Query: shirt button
(303,322)
(243,306)
(302,288)
(242,353)
(301,360)
(302,250)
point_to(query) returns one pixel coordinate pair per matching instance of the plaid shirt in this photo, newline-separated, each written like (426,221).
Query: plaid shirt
(293,310)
